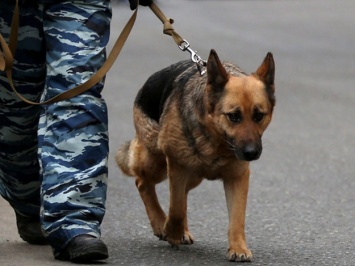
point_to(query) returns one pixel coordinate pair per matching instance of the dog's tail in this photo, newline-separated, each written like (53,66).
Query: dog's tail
(123,156)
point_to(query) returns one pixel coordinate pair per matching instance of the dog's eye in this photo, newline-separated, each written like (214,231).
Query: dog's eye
(235,117)
(258,117)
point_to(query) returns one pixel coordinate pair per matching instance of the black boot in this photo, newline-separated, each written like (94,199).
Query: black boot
(84,248)
(29,229)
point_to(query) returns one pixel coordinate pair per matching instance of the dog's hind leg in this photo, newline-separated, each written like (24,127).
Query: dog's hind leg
(150,172)
(149,169)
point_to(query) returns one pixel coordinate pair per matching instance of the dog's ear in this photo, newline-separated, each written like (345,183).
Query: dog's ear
(266,71)
(217,75)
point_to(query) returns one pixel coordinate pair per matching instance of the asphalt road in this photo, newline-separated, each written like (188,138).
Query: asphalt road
(301,208)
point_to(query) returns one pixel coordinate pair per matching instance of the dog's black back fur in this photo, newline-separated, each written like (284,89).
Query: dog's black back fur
(154,93)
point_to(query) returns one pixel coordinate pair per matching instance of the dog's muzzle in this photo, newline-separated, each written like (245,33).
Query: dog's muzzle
(249,152)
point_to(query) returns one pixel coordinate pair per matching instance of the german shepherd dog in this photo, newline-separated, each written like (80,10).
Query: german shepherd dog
(191,127)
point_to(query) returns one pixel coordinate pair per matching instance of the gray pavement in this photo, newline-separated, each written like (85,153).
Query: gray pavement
(301,208)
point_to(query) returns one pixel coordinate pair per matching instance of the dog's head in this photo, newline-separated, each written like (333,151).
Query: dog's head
(240,106)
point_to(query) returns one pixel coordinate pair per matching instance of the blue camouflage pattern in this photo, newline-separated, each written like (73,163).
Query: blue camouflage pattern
(53,158)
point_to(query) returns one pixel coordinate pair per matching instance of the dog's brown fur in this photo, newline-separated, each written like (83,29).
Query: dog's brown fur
(190,127)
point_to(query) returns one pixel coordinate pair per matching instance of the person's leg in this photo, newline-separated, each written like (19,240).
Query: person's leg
(19,169)
(73,134)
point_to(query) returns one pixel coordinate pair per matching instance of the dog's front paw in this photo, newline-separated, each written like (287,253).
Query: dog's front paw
(240,255)
(186,239)
(176,234)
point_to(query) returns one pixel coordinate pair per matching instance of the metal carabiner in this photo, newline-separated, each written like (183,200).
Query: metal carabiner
(184,48)
(194,56)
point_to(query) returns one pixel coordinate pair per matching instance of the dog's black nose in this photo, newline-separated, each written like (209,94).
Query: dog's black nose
(251,152)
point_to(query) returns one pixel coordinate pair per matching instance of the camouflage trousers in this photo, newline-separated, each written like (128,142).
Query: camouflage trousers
(53,158)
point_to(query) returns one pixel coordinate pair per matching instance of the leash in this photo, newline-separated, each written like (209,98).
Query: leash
(7,52)
(183,44)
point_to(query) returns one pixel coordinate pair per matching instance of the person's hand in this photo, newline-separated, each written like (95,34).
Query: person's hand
(133,3)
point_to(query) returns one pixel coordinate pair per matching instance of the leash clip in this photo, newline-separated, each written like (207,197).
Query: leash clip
(185,46)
